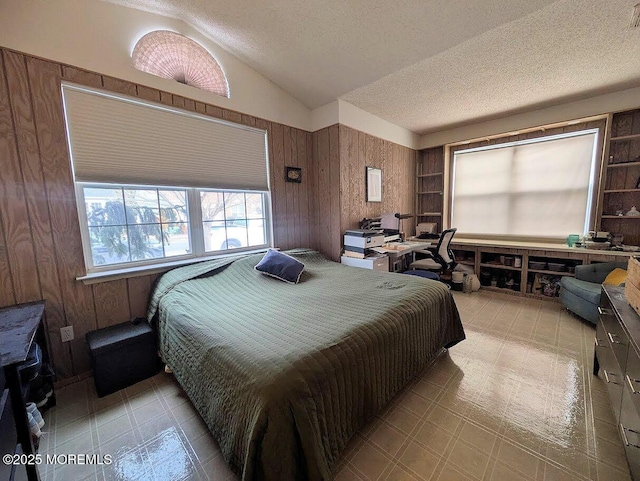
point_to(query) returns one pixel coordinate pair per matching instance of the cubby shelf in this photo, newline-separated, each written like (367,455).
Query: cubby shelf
(623,164)
(433,174)
(552,273)
(430,192)
(620,184)
(625,137)
(500,266)
(429,214)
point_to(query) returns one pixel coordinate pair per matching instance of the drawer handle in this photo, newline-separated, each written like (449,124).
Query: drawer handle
(624,430)
(604,312)
(600,343)
(611,338)
(630,382)
(606,376)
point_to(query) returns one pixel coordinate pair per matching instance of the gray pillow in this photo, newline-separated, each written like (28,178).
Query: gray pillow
(281,266)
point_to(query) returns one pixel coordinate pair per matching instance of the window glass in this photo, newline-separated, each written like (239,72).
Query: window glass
(124,224)
(233,220)
(139,225)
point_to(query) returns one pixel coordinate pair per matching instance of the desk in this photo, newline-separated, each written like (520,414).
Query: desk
(399,253)
(19,325)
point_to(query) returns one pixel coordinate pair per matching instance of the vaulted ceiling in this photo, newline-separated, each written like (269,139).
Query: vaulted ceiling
(426,64)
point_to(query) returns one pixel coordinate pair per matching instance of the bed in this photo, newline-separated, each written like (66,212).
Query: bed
(284,374)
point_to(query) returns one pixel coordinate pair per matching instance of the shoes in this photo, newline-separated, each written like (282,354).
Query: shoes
(41,395)
(34,429)
(32,409)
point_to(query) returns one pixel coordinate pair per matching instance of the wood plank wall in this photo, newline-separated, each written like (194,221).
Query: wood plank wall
(359,150)
(40,245)
(342,154)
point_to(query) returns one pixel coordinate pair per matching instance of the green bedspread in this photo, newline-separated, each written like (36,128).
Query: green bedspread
(285,374)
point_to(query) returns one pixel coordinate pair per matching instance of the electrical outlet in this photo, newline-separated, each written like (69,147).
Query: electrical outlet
(66,333)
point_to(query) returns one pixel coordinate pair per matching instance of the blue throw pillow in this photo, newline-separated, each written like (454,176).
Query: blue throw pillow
(281,266)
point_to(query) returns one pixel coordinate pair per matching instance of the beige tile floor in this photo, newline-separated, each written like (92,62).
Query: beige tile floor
(515,401)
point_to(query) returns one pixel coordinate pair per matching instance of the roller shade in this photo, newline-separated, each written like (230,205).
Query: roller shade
(125,141)
(537,188)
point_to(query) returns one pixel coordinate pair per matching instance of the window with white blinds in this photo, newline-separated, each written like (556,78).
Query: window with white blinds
(122,140)
(157,185)
(540,187)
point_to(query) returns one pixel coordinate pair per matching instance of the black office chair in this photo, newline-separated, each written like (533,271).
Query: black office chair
(439,258)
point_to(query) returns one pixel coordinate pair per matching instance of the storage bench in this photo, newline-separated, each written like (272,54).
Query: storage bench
(122,355)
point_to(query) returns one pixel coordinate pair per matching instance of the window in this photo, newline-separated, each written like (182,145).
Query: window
(138,225)
(174,56)
(535,188)
(156,184)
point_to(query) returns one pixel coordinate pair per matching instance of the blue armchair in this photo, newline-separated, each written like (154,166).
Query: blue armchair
(581,294)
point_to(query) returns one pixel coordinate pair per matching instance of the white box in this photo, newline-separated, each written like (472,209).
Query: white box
(377,263)
(364,242)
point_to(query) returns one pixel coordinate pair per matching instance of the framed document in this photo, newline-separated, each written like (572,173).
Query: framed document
(374,184)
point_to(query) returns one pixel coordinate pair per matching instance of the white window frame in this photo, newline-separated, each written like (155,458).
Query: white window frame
(196,231)
(592,188)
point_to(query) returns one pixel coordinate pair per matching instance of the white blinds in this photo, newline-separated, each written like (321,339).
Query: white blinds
(542,187)
(121,140)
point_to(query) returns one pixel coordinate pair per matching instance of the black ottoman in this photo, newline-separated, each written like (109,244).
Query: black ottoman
(122,355)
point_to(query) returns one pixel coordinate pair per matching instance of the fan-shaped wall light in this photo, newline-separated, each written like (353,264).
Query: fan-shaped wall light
(174,56)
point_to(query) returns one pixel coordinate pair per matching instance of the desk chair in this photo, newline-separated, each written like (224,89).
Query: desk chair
(440,258)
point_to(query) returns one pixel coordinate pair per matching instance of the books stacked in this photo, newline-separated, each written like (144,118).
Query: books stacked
(359,242)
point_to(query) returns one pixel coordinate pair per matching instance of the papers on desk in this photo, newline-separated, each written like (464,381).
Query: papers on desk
(400,247)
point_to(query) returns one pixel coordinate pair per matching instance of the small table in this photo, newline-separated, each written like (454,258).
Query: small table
(18,327)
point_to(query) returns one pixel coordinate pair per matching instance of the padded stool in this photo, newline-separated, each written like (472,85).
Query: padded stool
(122,355)
(425,274)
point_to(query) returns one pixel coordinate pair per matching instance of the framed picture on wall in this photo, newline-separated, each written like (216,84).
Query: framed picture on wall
(374,184)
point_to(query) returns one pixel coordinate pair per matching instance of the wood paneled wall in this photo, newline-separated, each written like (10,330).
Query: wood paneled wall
(342,155)
(358,151)
(40,245)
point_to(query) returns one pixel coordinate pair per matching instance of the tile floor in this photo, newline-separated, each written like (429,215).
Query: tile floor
(516,401)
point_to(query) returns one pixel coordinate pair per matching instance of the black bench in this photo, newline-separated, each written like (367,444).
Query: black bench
(122,355)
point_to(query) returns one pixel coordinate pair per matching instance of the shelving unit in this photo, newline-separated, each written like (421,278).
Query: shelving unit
(621,186)
(489,263)
(430,186)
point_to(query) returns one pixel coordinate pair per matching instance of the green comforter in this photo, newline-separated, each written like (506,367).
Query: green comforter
(285,374)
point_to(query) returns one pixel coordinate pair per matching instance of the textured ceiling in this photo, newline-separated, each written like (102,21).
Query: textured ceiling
(425,65)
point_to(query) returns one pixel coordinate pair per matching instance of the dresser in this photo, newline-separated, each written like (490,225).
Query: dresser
(617,358)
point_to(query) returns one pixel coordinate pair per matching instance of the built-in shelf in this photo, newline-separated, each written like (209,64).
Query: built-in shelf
(433,174)
(505,290)
(622,217)
(431,192)
(614,191)
(429,214)
(500,266)
(625,137)
(467,263)
(623,164)
(552,273)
